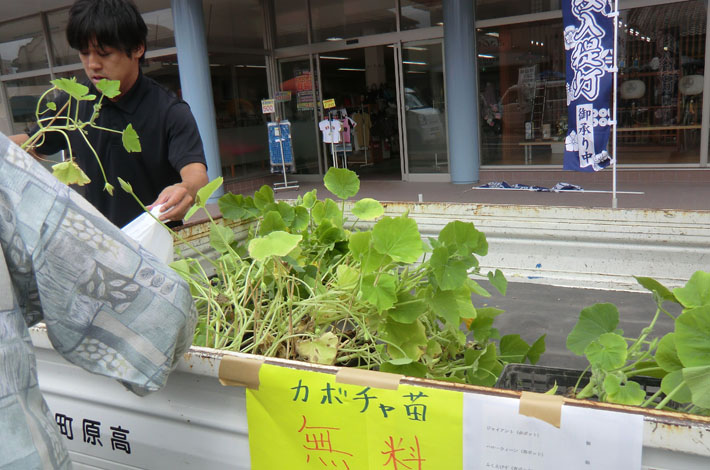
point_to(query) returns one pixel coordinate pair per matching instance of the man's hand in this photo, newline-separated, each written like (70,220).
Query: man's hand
(178,198)
(20,139)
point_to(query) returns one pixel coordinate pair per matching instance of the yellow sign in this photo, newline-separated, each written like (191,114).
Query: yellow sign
(303,420)
(327,104)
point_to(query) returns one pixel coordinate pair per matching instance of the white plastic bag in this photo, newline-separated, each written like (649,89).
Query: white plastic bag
(151,235)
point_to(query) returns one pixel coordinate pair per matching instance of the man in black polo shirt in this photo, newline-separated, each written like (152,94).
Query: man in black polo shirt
(110,36)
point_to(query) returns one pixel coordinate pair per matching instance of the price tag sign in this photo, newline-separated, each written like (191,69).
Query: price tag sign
(282,96)
(327,104)
(268,106)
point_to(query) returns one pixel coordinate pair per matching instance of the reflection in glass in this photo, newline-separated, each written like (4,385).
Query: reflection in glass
(234,24)
(290,22)
(22,97)
(521,69)
(339,19)
(238,86)
(160,28)
(61,52)
(22,46)
(425,108)
(300,110)
(487,9)
(661,68)
(420,14)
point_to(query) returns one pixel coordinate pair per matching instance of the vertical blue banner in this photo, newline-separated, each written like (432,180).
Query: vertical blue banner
(589,50)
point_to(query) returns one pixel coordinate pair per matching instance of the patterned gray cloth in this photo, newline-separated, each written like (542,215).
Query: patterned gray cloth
(109,306)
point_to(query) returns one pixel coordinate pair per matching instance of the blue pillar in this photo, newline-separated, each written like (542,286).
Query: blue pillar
(461,91)
(195,80)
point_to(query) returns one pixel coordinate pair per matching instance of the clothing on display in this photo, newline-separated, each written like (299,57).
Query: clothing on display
(363,124)
(331,130)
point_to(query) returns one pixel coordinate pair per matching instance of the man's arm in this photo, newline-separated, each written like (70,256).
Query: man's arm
(178,198)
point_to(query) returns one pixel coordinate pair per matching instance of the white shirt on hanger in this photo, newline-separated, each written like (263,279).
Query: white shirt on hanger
(331,130)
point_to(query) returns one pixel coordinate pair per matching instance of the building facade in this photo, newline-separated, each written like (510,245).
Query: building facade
(430,90)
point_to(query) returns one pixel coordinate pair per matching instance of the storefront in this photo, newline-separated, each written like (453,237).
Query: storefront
(383,63)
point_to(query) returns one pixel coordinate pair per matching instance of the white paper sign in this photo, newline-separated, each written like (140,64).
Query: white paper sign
(497,437)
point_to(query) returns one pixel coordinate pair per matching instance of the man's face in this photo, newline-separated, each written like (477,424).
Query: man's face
(112,64)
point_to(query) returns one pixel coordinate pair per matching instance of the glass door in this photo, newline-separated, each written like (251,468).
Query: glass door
(423,107)
(363,85)
(299,108)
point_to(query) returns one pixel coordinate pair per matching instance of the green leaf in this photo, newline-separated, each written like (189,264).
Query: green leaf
(608,352)
(407,309)
(300,219)
(463,238)
(410,339)
(191,212)
(450,274)
(696,292)
(205,193)
(659,290)
(69,173)
(310,198)
(328,234)
(272,222)
(348,277)
(368,209)
(342,182)
(453,305)
(398,238)
(274,244)
(666,354)
(486,368)
(593,322)
(360,247)
(380,291)
(498,281)
(263,197)
(410,369)
(433,349)
(692,337)
(513,348)
(674,380)
(71,87)
(482,325)
(52,105)
(327,210)
(237,207)
(110,88)
(320,351)
(221,237)
(630,393)
(476,288)
(130,139)
(698,380)
(536,350)
(125,185)
(287,212)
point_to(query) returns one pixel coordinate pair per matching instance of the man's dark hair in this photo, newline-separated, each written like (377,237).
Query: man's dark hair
(108,23)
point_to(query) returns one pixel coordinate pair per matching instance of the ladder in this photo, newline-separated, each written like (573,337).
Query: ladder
(537,112)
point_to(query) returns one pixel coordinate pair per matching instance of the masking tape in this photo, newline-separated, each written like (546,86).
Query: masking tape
(368,378)
(545,407)
(240,372)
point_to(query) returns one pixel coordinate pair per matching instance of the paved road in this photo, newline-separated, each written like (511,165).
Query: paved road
(532,310)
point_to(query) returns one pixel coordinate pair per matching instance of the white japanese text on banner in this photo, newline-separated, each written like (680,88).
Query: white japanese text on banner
(589,50)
